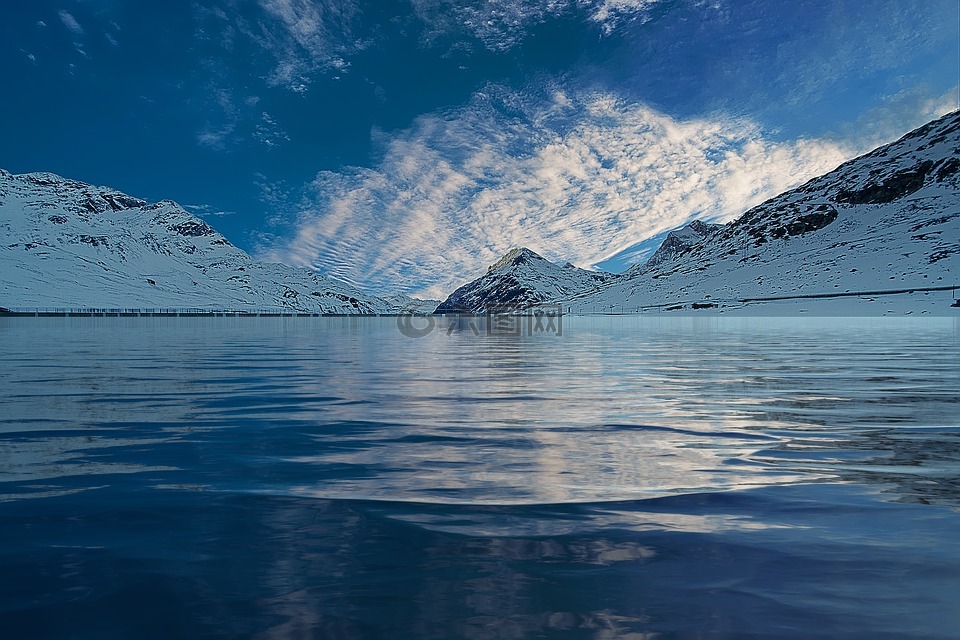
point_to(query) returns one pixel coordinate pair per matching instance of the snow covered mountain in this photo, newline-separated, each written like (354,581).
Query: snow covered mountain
(72,245)
(879,234)
(519,279)
(886,221)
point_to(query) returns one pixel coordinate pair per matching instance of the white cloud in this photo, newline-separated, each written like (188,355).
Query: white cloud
(70,22)
(578,178)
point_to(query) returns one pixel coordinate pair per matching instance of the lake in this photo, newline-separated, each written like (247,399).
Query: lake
(595,477)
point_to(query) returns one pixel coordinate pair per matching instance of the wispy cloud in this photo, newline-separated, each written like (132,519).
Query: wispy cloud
(207,211)
(306,37)
(502,24)
(70,22)
(901,112)
(851,47)
(219,134)
(268,132)
(576,178)
(610,13)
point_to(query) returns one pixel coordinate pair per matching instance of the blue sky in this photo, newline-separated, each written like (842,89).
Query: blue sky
(405,145)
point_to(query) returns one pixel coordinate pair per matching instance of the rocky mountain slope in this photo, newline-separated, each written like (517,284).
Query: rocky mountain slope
(677,242)
(72,245)
(521,278)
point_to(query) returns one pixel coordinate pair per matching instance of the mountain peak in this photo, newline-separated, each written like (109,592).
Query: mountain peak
(680,240)
(46,178)
(77,197)
(515,257)
(520,278)
(165,205)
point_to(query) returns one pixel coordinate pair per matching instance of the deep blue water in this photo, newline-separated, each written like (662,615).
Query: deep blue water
(334,478)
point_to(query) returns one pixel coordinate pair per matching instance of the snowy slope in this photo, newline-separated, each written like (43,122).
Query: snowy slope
(72,245)
(889,220)
(521,278)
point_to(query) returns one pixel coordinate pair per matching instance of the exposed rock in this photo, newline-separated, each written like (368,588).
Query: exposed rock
(894,186)
(679,241)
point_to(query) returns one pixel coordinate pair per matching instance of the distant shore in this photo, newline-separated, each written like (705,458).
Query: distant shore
(564,308)
(135,313)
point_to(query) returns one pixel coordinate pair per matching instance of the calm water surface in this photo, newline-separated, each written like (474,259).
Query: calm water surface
(334,478)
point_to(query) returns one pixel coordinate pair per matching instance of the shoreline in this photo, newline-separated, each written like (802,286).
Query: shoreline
(861,301)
